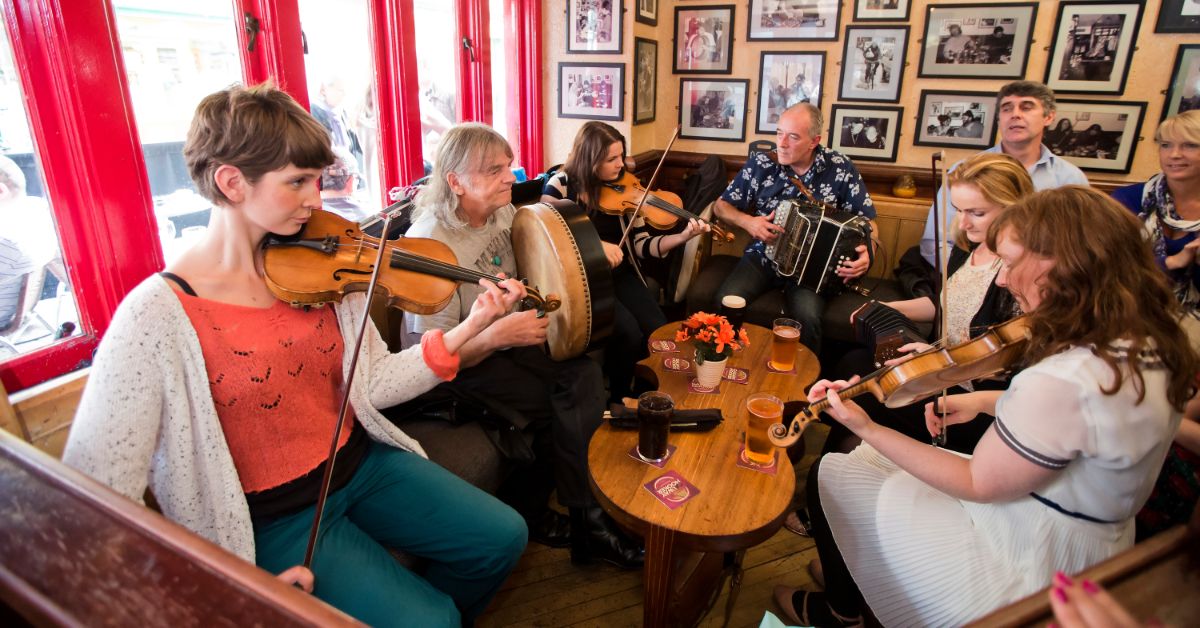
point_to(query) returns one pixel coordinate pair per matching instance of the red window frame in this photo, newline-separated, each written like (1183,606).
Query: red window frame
(72,74)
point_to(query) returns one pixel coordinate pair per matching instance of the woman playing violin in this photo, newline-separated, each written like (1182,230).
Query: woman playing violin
(222,398)
(597,158)
(925,536)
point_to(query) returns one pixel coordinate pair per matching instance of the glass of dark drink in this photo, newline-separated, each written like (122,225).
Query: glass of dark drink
(733,308)
(655,410)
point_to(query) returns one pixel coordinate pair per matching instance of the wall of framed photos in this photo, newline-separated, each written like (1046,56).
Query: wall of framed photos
(1127,73)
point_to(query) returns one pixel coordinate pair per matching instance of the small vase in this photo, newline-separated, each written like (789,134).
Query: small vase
(709,372)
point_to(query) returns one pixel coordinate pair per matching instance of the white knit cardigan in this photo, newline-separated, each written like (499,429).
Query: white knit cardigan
(147,414)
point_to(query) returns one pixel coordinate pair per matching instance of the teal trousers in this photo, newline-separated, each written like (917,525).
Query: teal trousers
(400,500)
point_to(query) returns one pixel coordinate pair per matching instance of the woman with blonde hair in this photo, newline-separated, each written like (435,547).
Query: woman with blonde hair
(929,537)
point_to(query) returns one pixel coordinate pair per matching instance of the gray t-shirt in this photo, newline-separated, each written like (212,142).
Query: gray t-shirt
(487,249)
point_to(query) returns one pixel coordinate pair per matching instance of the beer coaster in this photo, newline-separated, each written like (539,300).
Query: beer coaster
(736,375)
(660,464)
(772,369)
(694,386)
(672,363)
(746,463)
(663,346)
(671,489)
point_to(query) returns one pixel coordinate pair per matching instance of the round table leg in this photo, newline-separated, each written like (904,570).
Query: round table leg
(657,578)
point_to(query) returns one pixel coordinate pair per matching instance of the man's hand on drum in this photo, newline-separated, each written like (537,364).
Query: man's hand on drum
(520,329)
(613,253)
(762,227)
(847,413)
(857,267)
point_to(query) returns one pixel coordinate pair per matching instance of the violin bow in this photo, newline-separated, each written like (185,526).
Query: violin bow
(649,186)
(942,254)
(327,477)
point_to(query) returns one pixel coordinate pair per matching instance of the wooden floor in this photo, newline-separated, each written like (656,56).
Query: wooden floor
(547,590)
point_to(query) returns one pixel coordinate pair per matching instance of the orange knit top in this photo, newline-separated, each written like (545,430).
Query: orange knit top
(276,378)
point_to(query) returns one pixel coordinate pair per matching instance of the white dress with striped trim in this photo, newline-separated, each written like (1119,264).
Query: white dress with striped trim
(921,557)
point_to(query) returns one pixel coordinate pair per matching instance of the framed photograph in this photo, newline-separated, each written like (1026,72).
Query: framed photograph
(794,20)
(1093,43)
(1178,16)
(881,10)
(645,79)
(592,91)
(873,63)
(647,12)
(713,109)
(977,41)
(703,41)
(868,133)
(956,119)
(594,26)
(785,79)
(1096,135)
(1184,92)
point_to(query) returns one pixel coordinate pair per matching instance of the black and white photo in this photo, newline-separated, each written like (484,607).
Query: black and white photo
(881,10)
(647,12)
(867,133)
(703,39)
(594,26)
(793,20)
(785,79)
(1095,135)
(1093,44)
(713,109)
(977,40)
(645,79)
(592,91)
(873,63)
(956,119)
(1184,92)
(1178,16)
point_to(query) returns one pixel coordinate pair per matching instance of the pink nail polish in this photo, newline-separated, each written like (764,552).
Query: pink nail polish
(1090,587)
(1060,594)
(1063,579)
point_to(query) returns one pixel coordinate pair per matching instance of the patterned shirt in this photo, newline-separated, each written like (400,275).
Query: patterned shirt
(761,185)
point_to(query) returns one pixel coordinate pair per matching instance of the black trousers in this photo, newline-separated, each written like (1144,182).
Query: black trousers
(551,407)
(637,316)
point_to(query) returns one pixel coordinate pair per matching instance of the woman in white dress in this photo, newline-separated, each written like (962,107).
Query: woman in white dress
(929,537)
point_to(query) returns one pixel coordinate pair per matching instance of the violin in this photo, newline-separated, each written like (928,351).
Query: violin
(332,257)
(926,374)
(662,209)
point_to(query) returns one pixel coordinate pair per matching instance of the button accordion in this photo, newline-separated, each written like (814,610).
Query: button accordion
(814,241)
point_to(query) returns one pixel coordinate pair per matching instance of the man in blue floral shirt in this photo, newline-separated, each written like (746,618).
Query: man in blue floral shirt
(750,200)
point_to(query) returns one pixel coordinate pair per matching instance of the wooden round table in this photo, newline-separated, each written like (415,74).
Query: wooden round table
(735,508)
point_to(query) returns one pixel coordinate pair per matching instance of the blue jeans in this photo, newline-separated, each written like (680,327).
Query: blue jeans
(398,499)
(749,279)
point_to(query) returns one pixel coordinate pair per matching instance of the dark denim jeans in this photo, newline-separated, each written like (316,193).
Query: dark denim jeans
(749,279)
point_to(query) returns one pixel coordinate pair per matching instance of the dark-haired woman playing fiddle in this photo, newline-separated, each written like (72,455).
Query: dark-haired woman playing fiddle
(222,398)
(597,158)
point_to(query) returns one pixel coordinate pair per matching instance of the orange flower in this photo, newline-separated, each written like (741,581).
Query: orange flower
(711,333)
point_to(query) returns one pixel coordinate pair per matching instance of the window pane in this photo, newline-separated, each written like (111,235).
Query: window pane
(341,96)
(36,303)
(500,86)
(176,52)
(437,71)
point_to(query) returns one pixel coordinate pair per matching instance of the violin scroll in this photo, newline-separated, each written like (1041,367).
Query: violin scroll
(786,435)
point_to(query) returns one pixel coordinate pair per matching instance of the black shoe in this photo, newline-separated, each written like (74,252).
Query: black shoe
(550,528)
(594,536)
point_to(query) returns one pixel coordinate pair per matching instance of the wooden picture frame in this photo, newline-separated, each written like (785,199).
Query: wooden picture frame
(645,80)
(785,79)
(713,109)
(1093,46)
(882,10)
(956,119)
(593,29)
(647,12)
(865,133)
(1102,136)
(977,41)
(873,63)
(591,91)
(1178,16)
(1183,94)
(703,40)
(794,20)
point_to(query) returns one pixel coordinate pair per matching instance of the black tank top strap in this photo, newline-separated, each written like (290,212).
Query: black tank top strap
(187,288)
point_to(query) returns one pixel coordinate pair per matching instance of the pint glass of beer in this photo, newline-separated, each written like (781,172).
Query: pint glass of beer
(762,411)
(784,342)
(733,308)
(655,410)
